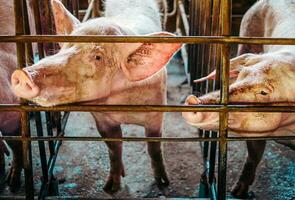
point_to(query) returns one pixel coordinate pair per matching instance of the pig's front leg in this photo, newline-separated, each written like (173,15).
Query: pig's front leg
(155,152)
(115,155)
(255,153)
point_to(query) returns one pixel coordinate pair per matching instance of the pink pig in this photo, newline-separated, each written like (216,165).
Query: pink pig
(260,74)
(107,73)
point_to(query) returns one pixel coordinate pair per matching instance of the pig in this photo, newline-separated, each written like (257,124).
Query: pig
(107,74)
(9,121)
(260,74)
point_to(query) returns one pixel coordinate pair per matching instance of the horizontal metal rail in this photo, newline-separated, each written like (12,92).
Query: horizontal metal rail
(150,108)
(143,139)
(149,39)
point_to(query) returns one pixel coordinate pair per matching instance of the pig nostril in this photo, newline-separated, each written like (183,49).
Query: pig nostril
(28,86)
(16,81)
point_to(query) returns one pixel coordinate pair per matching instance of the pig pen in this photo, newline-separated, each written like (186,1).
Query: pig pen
(81,167)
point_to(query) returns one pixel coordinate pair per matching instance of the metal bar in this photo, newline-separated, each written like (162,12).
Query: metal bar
(212,159)
(27,31)
(38,26)
(88,11)
(20,48)
(149,39)
(183,17)
(150,108)
(143,139)
(173,12)
(223,116)
(49,132)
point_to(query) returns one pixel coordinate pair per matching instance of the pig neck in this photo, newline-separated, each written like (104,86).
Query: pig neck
(142,17)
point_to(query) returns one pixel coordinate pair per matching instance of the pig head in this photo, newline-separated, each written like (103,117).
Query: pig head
(267,79)
(86,72)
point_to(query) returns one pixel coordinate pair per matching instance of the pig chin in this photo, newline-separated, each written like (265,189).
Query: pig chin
(55,96)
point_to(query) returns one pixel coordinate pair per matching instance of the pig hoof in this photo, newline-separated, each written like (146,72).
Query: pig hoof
(114,182)
(241,191)
(13,179)
(112,185)
(162,181)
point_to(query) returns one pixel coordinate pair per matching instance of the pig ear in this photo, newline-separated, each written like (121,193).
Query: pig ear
(144,60)
(212,76)
(236,64)
(65,22)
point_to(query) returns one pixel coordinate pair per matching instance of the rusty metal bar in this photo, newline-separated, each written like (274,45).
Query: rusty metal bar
(20,48)
(223,116)
(143,139)
(38,27)
(150,108)
(149,39)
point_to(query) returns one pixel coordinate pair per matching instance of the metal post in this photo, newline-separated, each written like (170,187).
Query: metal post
(27,156)
(223,116)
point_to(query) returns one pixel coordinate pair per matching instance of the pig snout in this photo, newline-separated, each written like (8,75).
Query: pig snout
(23,86)
(192,117)
(204,120)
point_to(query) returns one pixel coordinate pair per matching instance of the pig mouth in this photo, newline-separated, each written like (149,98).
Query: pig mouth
(53,96)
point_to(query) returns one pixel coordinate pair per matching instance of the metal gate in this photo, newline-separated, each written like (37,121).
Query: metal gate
(221,14)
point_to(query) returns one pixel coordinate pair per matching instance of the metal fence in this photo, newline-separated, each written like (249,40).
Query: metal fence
(224,107)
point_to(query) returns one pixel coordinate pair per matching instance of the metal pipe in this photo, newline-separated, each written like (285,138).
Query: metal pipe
(150,108)
(88,11)
(223,116)
(26,147)
(185,22)
(143,139)
(148,39)
(173,12)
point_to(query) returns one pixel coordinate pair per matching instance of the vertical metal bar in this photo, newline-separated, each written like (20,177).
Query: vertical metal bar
(27,31)
(49,132)
(38,26)
(223,116)
(41,146)
(27,156)
(192,47)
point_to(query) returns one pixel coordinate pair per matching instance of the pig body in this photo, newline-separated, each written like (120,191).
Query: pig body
(107,74)
(260,74)
(9,121)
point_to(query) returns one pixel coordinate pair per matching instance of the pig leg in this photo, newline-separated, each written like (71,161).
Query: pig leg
(255,153)
(115,155)
(155,152)
(14,175)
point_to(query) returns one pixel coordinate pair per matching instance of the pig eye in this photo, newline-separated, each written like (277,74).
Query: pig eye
(98,57)
(263,93)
